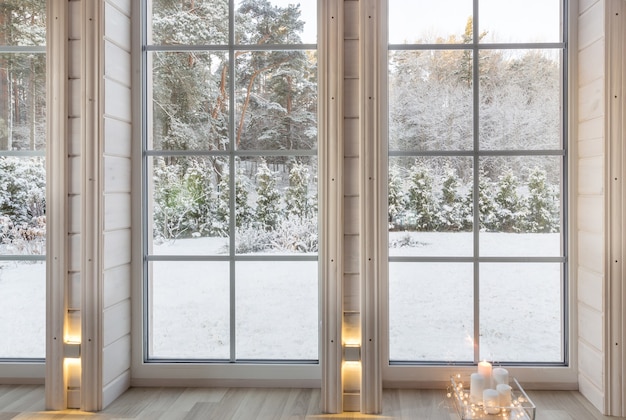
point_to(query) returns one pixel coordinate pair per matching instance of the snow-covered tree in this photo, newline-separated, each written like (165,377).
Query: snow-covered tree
(297,193)
(396,197)
(243,211)
(543,204)
(454,209)
(510,212)
(268,210)
(421,201)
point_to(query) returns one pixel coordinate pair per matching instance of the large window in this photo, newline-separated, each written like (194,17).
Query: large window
(22,179)
(477,169)
(230,181)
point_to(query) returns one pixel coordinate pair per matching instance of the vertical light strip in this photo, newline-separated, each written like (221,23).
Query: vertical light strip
(615,299)
(372,68)
(91,192)
(476,160)
(56,201)
(330,106)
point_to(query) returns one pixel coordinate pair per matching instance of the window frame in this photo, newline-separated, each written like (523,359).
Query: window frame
(547,374)
(27,367)
(298,372)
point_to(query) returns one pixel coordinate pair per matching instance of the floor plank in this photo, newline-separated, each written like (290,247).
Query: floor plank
(26,402)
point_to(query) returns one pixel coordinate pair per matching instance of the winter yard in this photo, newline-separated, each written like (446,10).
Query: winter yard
(430,310)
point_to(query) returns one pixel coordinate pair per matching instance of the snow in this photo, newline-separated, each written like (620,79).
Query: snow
(431,306)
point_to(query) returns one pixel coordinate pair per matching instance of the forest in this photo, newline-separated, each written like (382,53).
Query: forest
(250,113)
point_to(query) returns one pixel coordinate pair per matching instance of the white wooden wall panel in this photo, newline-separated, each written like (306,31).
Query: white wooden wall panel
(588,205)
(74,60)
(117,246)
(116,285)
(591,199)
(588,331)
(117,101)
(118,135)
(73,293)
(588,59)
(116,360)
(590,360)
(116,322)
(117,186)
(74,136)
(594,394)
(583,5)
(117,63)
(117,211)
(591,25)
(116,174)
(117,24)
(590,288)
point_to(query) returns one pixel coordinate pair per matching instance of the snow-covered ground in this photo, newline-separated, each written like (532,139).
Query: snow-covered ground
(430,311)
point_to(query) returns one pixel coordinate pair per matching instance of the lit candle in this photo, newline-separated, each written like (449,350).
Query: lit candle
(500,376)
(477,386)
(504,395)
(484,368)
(491,401)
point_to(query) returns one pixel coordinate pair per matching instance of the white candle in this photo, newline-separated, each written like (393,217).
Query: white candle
(491,401)
(500,376)
(504,395)
(484,368)
(477,386)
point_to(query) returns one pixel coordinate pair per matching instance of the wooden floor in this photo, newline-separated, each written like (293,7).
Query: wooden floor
(27,402)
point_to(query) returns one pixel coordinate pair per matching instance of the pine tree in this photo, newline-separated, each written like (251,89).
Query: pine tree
(421,200)
(452,205)
(509,210)
(297,194)
(543,209)
(268,198)
(396,199)
(243,211)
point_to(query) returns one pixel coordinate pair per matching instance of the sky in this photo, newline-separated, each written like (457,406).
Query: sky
(508,20)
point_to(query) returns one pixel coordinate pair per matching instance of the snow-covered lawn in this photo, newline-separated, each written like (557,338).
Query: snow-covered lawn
(430,311)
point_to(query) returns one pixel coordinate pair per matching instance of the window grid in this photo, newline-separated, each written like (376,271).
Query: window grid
(232,154)
(476,153)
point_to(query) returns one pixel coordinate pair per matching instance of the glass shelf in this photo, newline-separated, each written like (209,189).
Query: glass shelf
(522,407)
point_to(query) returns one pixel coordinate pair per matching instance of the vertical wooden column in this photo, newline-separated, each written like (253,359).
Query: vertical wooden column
(56,203)
(615,359)
(91,195)
(330,64)
(373,164)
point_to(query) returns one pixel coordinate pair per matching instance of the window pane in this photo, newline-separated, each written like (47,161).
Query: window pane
(188,22)
(277,205)
(521,312)
(23,23)
(189,310)
(277,317)
(520,208)
(276,100)
(189,101)
(430,100)
(190,205)
(430,206)
(429,22)
(22,206)
(431,312)
(520,20)
(520,99)
(22,102)
(22,309)
(275,22)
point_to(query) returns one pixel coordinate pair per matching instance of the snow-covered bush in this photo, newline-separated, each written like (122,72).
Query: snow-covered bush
(22,205)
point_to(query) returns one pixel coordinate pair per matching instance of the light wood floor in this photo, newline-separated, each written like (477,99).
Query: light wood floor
(27,402)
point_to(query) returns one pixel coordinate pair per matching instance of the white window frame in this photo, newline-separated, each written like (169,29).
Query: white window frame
(145,372)
(551,376)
